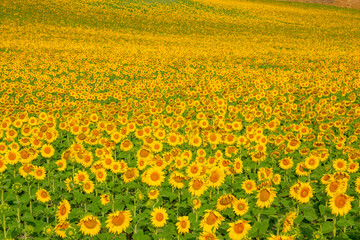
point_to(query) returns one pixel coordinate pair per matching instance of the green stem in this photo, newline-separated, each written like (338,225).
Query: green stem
(334,233)
(112,202)
(30,198)
(18,211)
(4,225)
(47,215)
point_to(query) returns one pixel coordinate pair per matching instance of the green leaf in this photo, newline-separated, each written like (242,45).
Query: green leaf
(327,227)
(344,223)
(310,214)
(28,217)
(263,227)
(140,236)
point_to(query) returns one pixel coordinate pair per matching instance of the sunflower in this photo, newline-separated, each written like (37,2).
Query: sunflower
(159,217)
(208,236)
(211,221)
(80,177)
(42,195)
(154,177)
(265,197)
(277,179)
(61,228)
(104,199)
(197,187)
(340,204)
(130,175)
(47,151)
(153,194)
(216,178)
(90,225)
(196,203)
(3,166)
(118,222)
(353,167)
(24,170)
(156,146)
(238,166)
(305,192)
(101,175)
(238,229)
(183,225)
(335,187)
(12,156)
(249,186)
(39,173)
(126,145)
(300,169)
(193,170)
(326,179)
(311,162)
(195,141)
(240,206)
(176,180)
(88,187)
(225,202)
(286,163)
(63,210)
(340,165)
(61,164)
(289,221)
(87,159)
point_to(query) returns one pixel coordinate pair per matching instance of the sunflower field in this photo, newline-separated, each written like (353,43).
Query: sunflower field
(179,119)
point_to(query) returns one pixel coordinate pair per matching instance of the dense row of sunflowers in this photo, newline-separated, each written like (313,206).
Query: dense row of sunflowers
(186,131)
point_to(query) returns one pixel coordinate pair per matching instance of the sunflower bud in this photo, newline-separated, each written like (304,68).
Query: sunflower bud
(4,208)
(17,188)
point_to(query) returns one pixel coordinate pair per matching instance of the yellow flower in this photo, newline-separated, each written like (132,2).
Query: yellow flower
(42,195)
(216,178)
(225,202)
(63,210)
(47,151)
(88,186)
(249,186)
(183,224)
(39,173)
(239,229)
(289,221)
(311,162)
(286,163)
(81,176)
(265,197)
(105,199)
(130,175)
(176,180)
(153,194)
(154,177)
(118,222)
(159,217)
(340,204)
(340,165)
(101,175)
(211,221)
(197,187)
(60,229)
(305,192)
(240,206)
(90,225)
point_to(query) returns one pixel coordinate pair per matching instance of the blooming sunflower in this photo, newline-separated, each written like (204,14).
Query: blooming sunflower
(63,210)
(60,229)
(249,186)
(216,177)
(88,186)
(47,151)
(39,173)
(289,221)
(286,163)
(193,170)
(340,165)
(335,187)
(211,221)
(208,236)
(311,162)
(12,156)
(240,206)
(340,204)
(80,177)
(183,224)
(104,199)
(101,175)
(90,225)
(353,167)
(305,192)
(126,145)
(42,195)
(238,166)
(153,194)
(238,229)
(265,197)
(154,177)
(61,164)
(159,217)
(176,180)
(197,187)
(196,203)
(118,222)
(300,169)
(130,175)
(3,166)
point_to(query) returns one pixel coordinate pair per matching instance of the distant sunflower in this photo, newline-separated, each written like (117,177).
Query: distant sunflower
(353,167)
(90,225)
(197,187)
(88,187)
(196,203)
(154,177)
(277,179)
(208,236)
(130,175)
(47,151)
(63,210)
(305,192)
(340,165)
(340,204)
(286,163)
(42,195)
(12,156)
(104,199)
(311,162)
(3,166)
(159,217)
(216,177)
(101,175)
(249,186)
(335,187)
(183,225)
(126,145)
(289,221)
(61,228)
(39,173)
(238,166)
(238,229)
(118,222)
(265,197)
(153,194)
(81,176)
(193,170)
(241,206)
(176,180)
(211,221)
(300,169)
(61,164)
